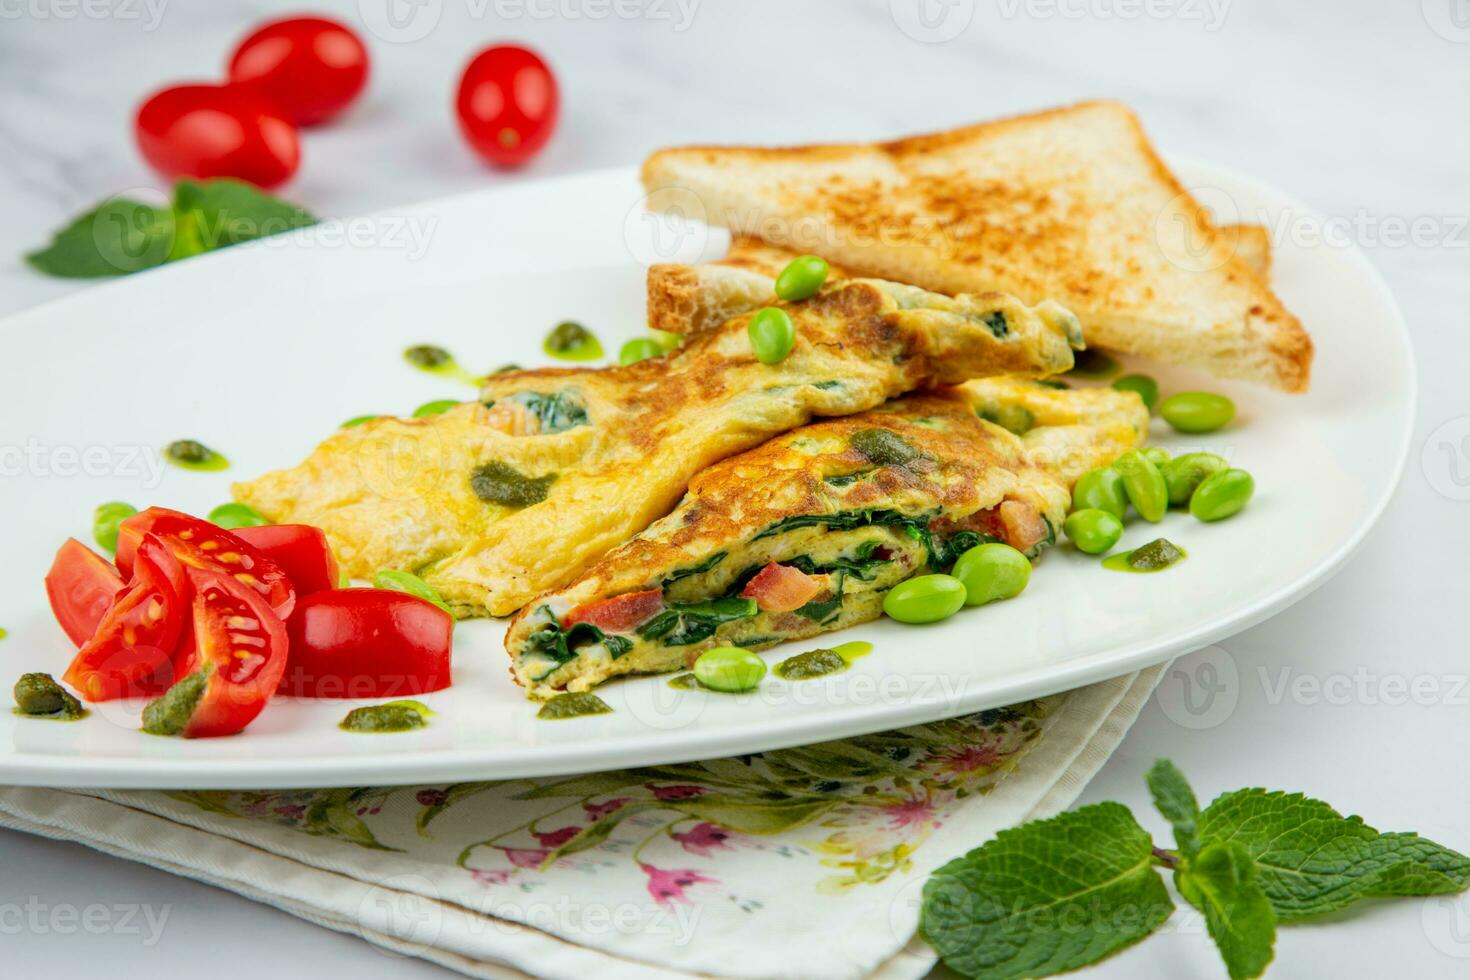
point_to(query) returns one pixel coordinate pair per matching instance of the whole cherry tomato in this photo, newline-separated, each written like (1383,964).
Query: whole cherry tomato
(507,104)
(309,68)
(217,131)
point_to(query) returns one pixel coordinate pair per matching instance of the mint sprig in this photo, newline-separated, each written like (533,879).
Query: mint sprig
(1054,895)
(122,236)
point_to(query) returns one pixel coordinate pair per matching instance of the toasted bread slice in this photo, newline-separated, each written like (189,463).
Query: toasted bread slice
(1072,204)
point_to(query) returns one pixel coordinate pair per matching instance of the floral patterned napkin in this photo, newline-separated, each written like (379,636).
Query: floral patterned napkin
(805,862)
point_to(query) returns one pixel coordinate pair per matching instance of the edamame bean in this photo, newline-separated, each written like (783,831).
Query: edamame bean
(105,520)
(389,578)
(639,349)
(1144,484)
(926,599)
(434,408)
(1197,411)
(1093,531)
(992,571)
(772,335)
(1222,495)
(801,278)
(729,669)
(357,420)
(1141,385)
(666,341)
(1156,455)
(232,515)
(1101,489)
(1184,473)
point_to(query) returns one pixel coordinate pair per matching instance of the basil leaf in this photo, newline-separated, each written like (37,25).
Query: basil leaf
(226,212)
(1048,896)
(115,238)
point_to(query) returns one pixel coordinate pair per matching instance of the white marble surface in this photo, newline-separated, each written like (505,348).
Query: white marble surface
(1356,107)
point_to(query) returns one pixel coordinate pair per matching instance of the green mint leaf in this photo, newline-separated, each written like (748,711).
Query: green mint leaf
(226,212)
(1048,896)
(1175,800)
(1220,882)
(115,238)
(1311,860)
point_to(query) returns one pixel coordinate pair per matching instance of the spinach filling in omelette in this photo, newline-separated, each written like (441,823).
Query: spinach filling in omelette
(806,533)
(496,501)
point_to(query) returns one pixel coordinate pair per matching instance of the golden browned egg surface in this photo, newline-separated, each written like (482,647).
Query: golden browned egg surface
(496,501)
(860,519)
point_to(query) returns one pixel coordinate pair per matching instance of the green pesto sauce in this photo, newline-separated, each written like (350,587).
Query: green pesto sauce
(500,483)
(820,663)
(884,447)
(571,341)
(686,682)
(438,361)
(573,706)
(192,455)
(1157,555)
(169,714)
(39,696)
(1094,365)
(394,716)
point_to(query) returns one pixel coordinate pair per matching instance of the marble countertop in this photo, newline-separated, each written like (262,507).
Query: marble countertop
(1355,106)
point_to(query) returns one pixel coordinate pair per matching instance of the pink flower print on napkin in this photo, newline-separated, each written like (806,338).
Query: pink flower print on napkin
(667,885)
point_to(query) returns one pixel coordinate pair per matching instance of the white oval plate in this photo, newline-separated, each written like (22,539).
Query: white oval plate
(262,350)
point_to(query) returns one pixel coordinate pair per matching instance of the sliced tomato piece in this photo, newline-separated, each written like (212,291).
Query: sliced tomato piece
(301,551)
(81,586)
(1024,526)
(238,656)
(131,653)
(781,588)
(367,643)
(621,613)
(202,545)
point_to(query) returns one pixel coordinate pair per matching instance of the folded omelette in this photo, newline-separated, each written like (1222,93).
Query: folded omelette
(806,533)
(497,501)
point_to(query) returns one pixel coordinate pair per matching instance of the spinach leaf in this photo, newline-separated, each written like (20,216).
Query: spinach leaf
(556,412)
(683,623)
(562,645)
(699,569)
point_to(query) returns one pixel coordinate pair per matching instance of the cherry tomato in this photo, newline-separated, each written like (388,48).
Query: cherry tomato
(621,613)
(200,544)
(234,664)
(367,643)
(781,588)
(132,651)
(301,551)
(309,68)
(507,104)
(81,586)
(217,131)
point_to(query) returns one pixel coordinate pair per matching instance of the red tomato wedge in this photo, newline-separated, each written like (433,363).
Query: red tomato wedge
(81,586)
(300,550)
(367,643)
(621,613)
(238,656)
(202,545)
(781,588)
(131,652)
(1024,526)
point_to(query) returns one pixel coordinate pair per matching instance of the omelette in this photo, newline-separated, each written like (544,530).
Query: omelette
(496,501)
(806,533)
